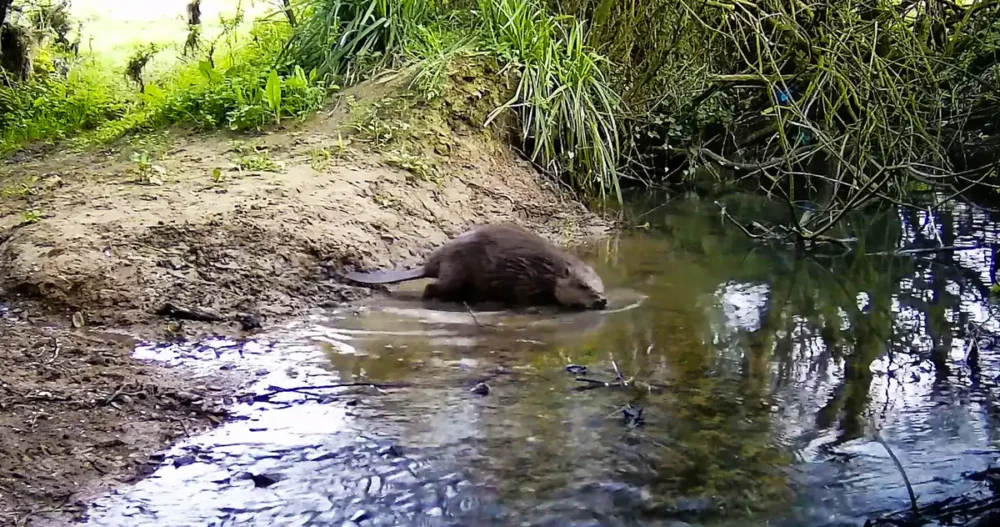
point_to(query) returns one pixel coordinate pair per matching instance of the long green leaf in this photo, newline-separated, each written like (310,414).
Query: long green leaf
(273,93)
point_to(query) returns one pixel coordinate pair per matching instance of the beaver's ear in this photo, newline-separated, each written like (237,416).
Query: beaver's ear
(566,272)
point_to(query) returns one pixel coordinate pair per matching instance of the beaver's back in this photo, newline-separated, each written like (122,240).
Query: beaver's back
(503,262)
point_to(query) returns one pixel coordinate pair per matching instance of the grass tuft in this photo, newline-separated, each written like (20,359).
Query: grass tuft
(566,105)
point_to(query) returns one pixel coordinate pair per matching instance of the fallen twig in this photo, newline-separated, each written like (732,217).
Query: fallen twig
(909,488)
(198,315)
(184,427)
(618,373)
(594,382)
(597,383)
(952,508)
(305,389)
(929,250)
(472,314)
(115,395)
(55,351)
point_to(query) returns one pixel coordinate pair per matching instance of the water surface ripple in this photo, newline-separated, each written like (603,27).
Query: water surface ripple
(757,380)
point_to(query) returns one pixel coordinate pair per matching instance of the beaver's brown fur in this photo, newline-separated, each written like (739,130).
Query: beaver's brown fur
(505,264)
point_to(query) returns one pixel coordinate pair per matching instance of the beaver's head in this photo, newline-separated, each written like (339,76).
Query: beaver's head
(580,287)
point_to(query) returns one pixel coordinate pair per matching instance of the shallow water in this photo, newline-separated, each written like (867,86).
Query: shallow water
(761,376)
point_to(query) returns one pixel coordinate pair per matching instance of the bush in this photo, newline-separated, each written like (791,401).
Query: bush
(351,38)
(237,93)
(240,90)
(53,108)
(566,106)
(868,98)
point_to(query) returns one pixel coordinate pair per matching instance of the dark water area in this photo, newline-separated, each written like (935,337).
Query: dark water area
(745,386)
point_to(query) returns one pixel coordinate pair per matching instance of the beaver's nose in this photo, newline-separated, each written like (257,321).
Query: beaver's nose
(600,303)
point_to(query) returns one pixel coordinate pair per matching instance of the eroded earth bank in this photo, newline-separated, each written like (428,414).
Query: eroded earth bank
(96,247)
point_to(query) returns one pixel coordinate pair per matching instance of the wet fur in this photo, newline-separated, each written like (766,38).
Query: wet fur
(499,263)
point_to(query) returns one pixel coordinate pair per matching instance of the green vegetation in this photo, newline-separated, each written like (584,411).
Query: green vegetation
(833,104)
(238,88)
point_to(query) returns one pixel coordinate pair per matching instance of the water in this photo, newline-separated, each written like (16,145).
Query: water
(762,375)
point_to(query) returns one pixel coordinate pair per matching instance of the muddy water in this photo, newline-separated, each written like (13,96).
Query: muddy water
(755,381)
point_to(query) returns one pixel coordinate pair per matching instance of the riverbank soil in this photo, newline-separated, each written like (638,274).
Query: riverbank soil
(237,230)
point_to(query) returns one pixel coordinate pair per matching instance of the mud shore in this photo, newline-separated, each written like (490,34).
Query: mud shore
(95,246)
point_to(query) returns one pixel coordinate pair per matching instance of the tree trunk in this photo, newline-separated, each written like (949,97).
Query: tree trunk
(14,60)
(4,7)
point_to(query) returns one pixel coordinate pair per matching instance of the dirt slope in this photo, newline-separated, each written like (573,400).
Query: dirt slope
(103,237)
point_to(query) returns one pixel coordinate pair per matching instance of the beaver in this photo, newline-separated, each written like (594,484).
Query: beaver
(504,264)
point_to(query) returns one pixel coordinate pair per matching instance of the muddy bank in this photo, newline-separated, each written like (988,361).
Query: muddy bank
(259,242)
(231,226)
(78,415)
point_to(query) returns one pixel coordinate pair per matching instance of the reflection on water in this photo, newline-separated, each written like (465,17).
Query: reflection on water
(761,375)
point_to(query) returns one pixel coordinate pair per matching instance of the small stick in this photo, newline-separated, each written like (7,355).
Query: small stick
(930,250)
(97,468)
(183,426)
(472,314)
(305,389)
(909,488)
(116,394)
(594,382)
(55,351)
(618,373)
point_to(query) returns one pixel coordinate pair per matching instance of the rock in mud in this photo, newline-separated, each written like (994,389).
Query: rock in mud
(183,461)
(633,416)
(262,481)
(249,322)
(390,450)
(170,310)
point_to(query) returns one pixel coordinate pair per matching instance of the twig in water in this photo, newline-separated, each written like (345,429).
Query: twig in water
(596,383)
(929,250)
(305,389)
(909,488)
(618,373)
(725,214)
(472,314)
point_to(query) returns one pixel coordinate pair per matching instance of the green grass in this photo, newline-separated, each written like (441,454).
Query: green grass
(55,108)
(95,104)
(349,39)
(564,103)
(561,102)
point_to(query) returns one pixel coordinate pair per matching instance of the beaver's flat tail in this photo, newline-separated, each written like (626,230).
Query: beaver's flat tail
(386,277)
